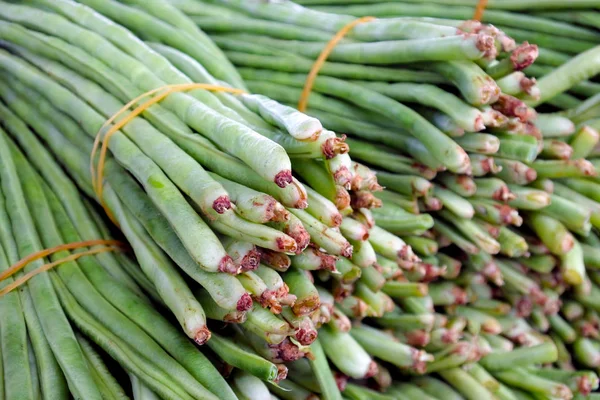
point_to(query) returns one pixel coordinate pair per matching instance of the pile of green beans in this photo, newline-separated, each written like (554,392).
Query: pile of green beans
(267,261)
(506,239)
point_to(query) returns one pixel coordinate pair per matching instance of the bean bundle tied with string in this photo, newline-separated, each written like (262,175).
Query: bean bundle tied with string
(266,259)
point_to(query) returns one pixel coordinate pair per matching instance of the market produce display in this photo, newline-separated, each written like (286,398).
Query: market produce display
(420,221)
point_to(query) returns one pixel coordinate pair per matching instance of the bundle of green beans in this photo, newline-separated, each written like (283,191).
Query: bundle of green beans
(472,276)
(520,220)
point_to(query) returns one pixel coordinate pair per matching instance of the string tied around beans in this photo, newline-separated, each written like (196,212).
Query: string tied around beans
(479,10)
(157,94)
(107,245)
(320,61)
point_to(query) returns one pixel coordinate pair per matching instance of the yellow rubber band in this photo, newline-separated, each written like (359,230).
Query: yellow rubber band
(479,10)
(166,90)
(314,71)
(51,265)
(46,252)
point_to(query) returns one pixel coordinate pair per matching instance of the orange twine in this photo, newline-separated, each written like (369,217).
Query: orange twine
(314,71)
(479,9)
(110,245)
(165,91)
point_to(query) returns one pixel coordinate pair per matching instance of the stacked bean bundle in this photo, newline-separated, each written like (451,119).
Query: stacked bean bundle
(277,259)
(202,184)
(520,219)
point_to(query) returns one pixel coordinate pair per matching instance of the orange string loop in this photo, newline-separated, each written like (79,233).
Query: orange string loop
(479,10)
(46,267)
(314,71)
(46,252)
(98,177)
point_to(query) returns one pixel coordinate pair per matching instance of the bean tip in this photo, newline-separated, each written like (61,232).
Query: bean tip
(228,266)
(202,336)
(221,204)
(283,178)
(244,303)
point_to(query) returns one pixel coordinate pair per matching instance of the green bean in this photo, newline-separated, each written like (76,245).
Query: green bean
(579,68)
(297,124)
(517,172)
(244,254)
(422,245)
(390,246)
(107,383)
(460,184)
(307,298)
(51,379)
(251,204)
(468,118)
(363,254)
(249,387)
(473,232)
(17,377)
(492,188)
(312,259)
(197,42)
(244,57)
(517,84)
(476,87)
(267,325)
(528,199)
(324,236)
(455,237)
(373,278)
(380,156)
(398,289)
(323,209)
(260,235)
(467,47)
(543,353)
(159,269)
(317,176)
(268,28)
(583,141)
(572,265)
(328,386)
(348,272)
(289,390)
(466,384)
(245,360)
(556,149)
(453,157)
(511,243)
(406,184)
(563,168)
(141,391)
(197,73)
(390,198)
(455,203)
(521,378)
(515,279)
(463,10)
(346,353)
